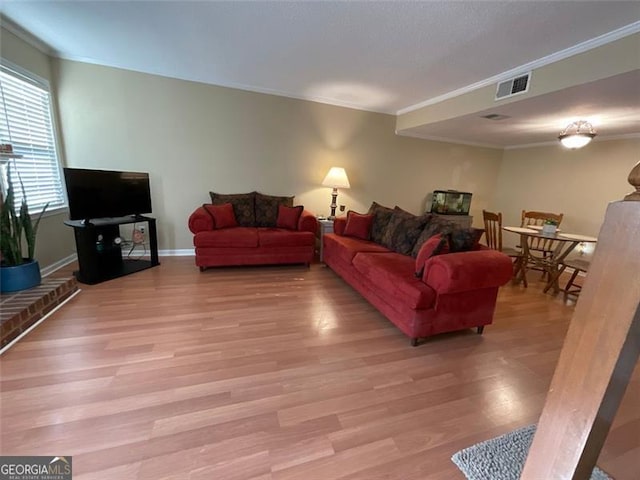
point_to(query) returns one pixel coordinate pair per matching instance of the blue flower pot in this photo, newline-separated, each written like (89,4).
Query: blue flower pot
(20,277)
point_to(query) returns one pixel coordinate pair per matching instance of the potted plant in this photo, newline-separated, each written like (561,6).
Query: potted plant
(550,227)
(18,270)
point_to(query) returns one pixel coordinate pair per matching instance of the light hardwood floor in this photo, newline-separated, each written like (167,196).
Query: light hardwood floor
(276,373)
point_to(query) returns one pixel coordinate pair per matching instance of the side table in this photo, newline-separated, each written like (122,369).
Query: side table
(324,226)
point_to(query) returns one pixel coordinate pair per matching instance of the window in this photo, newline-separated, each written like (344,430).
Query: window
(25,123)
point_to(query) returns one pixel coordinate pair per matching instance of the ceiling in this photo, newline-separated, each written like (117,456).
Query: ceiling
(612,105)
(377,56)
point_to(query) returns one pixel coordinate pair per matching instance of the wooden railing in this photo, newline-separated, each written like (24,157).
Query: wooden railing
(599,353)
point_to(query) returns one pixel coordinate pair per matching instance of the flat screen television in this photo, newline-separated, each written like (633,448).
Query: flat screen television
(104,193)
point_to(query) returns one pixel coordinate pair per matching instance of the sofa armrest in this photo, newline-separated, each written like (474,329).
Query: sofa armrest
(339,223)
(308,222)
(464,271)
(200,221)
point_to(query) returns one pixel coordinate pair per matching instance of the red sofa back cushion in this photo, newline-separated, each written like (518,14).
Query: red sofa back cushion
(288,217)
(358,225)
(223,215)
(436,245)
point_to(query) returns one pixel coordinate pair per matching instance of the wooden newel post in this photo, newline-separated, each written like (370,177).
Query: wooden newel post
(598,355)
(634,180)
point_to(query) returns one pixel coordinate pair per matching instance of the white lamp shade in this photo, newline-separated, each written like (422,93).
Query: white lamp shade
(336,178)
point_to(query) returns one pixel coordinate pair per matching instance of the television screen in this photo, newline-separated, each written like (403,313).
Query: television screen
(104,193)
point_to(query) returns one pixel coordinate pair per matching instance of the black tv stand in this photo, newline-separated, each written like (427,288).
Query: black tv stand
(99,252)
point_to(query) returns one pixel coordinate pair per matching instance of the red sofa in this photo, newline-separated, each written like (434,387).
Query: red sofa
(252,245)
(456,290)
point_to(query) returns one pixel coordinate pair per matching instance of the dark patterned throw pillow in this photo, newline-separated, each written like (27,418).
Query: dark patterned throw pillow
(403,230)
(435,225)
(267,208)
(463,239)
(381,217)
(243,206)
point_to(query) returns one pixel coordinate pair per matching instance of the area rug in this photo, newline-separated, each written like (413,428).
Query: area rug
(503,457)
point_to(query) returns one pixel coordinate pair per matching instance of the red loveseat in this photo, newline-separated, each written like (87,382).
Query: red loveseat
(456,290)
(247,244)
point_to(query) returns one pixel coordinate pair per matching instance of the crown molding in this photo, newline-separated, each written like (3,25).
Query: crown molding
(551,143)
(26,36)
(449,140)
(541,62)
(235,86)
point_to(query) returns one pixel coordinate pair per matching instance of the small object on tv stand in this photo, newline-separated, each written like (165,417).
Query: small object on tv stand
(99,248)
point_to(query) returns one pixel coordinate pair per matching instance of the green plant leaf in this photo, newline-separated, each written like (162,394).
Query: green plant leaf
(34,233)
(13,225)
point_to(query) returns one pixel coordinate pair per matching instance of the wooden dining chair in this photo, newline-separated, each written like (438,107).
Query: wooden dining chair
(493,234)
(538,219)
(578,265)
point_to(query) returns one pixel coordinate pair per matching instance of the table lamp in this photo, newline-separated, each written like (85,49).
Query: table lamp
(336,178)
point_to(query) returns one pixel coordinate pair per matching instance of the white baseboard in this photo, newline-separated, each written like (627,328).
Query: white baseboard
(182,252)
(49,269)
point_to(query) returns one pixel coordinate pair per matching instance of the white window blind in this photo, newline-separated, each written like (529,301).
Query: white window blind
(25,123)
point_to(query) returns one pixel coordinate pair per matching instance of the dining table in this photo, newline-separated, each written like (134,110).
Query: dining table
(552,249)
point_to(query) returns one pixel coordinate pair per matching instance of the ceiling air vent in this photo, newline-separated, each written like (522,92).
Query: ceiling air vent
(495,117)
(513,86)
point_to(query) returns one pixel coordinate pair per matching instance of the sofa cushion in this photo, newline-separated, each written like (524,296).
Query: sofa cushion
(227,237)
(381,217)
(223,216)
(435,224)
(464,239)
(243,206)
(403,230)
(267,208)
(394,274)
(288,217)
(436,245)
(345,248)
(279,237)
(339,224)
(358,225)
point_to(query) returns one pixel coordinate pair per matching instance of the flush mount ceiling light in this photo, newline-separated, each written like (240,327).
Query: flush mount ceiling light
(577,134)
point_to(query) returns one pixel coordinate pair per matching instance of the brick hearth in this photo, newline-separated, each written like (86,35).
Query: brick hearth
(20,310)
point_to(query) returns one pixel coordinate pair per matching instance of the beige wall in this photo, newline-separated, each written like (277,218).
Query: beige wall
(578,183)
(193,138)
(55,240)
